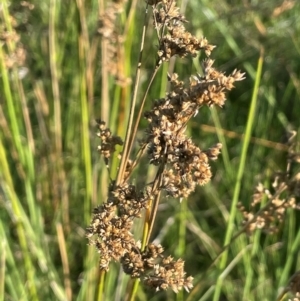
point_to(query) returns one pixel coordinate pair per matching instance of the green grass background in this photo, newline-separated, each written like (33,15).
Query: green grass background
(51,176)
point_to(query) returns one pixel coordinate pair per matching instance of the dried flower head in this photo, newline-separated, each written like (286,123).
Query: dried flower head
(114,40)
(15,56)
(286,187)
(186,164)
(108,141)
(155,270)
(110,232)
(174,39)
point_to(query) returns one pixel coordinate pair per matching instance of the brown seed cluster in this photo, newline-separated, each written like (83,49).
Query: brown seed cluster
(284,195)
(111,234)
(174,39)
(113,237)
(108,141)
(16,53)
(158,272)
(114,40)
(187,165)
(271,216)
(108,19)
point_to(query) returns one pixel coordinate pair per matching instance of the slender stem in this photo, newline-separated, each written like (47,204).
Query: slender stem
(133,134)
(136,161)
(240,173)
(134,289)
(151,212)
(54,76)
(132,106)
(154,206)
(101,286)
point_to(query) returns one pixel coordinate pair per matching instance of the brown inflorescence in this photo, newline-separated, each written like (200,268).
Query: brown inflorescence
(16,54)
(181,165)
(187,165)
(273,205)
(158,272)
(114,238)
(108,141)
(174,39)
(114,241)
(113,40)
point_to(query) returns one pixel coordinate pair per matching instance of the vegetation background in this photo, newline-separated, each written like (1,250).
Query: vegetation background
(52,88)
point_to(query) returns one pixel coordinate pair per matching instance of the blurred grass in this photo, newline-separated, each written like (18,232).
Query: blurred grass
(51,175)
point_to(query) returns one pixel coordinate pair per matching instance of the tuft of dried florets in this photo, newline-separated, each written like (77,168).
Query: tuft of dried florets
(169,274)
(174,39)
(189,167)
(114,40)
(155,270)
(271,216)
(110,232)
(286,187)
(213,152)
(129,201)
(9,35)
(186,164)
(108,141)
(108,19)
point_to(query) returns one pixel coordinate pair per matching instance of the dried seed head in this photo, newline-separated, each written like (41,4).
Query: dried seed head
(129,201)
(186,165)
(109,232)
(155,270)
(108,141)
(110,33)
(285,191)
(213,152)
(177,40)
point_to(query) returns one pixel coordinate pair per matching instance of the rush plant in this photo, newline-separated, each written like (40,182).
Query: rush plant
(180,165)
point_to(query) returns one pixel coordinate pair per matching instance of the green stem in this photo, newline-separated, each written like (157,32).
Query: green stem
(240,173)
